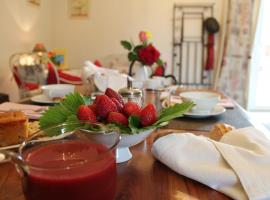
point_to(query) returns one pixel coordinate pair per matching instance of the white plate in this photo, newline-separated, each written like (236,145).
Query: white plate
(217,110)
(42,99)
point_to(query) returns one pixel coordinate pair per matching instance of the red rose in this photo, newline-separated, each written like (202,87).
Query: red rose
(148,55)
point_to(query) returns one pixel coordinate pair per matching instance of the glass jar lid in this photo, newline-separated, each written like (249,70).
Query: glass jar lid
(130,92)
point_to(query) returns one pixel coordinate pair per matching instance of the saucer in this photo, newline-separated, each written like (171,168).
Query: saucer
(217,110)
(43,99)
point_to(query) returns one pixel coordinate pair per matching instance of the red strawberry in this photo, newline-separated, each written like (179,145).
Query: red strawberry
(104,106)
(96,99)
(131,108)
(118,104)
(86,114)
(93,107)
(148,115)
(116,117)
(113,94)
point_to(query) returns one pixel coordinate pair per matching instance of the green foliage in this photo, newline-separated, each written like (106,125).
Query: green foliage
(134,123)
(137,48)
(177,110)
(132,56)
(63,112)
(126,44)
(160,62)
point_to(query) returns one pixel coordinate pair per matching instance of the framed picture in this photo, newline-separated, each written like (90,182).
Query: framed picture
(34,2)
(79,8)
(59,58)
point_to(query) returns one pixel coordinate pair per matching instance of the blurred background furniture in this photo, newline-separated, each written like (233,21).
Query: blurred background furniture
(34,69)
(189,44)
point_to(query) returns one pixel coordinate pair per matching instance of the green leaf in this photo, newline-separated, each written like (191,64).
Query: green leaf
(174,111)
(160,62)
(127,45)
(60,113)
(54,116)
(87,100)
(132,56)
(137,48)
(118,127)
(72,102)
(134,123)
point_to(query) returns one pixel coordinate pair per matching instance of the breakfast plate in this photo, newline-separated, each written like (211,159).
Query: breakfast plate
(217,110)
(43,99)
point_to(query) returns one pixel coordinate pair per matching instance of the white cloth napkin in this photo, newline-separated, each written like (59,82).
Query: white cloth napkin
(104,77)
(238,165)
(31,111)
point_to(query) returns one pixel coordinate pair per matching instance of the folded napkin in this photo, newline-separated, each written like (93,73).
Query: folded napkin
(238,165)
(31,111)
(104,77)
(226,103)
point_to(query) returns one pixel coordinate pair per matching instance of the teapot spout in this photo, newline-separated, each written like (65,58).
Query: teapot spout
(17,159)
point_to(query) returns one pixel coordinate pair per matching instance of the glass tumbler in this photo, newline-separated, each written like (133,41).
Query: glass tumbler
(77,164)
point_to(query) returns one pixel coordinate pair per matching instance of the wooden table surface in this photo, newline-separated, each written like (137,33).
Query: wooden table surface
(141,178)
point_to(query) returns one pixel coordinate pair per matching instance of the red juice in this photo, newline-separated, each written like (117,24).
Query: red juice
(70,170)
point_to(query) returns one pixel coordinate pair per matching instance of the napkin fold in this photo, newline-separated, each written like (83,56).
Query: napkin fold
(31,111)
(104,77)
(238,165)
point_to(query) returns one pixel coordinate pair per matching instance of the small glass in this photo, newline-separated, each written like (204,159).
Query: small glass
(132,94)
(77,164)
(153,96)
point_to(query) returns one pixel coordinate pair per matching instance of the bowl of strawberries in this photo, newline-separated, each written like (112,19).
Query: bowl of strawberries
(109,113)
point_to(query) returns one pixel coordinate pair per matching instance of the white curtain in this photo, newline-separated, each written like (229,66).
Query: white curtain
(232,69)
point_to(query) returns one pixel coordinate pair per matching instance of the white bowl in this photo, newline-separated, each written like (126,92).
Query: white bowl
(205,101)
(123,153)
(57,90)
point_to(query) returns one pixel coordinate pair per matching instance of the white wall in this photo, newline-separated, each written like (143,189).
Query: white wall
(114,20)
(22,26)
(110,21)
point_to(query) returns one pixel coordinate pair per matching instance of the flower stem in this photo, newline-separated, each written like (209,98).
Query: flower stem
(130,67)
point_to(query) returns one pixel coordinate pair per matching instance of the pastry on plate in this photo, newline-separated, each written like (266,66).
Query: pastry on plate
(13,128)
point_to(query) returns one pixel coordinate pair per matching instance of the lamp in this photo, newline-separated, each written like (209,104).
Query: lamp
(39,48)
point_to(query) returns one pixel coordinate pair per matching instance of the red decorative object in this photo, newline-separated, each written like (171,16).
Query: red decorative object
(21,84)
(160,71)
(98,63)
(210,52)
(58,76)
(148,55)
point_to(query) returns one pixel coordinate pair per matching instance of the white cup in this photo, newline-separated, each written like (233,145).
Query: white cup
(205,101)
(153,84)
(57,90)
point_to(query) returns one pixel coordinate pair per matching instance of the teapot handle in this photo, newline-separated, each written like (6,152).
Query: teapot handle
(172,77)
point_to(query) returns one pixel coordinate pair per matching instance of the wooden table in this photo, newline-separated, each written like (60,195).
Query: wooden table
(142,177)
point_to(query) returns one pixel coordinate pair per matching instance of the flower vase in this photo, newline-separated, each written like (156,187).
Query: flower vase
(143,73)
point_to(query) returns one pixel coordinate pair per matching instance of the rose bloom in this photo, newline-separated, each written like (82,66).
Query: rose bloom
(148,55)
(144,36)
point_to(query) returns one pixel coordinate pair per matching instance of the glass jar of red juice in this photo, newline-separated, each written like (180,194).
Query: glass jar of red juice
(76,165)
